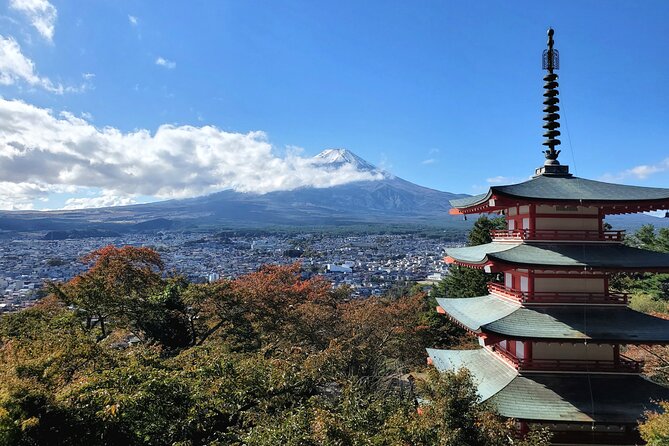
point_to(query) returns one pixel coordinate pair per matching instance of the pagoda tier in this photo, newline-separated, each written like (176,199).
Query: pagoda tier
(497,318)
(605,404)
(568,256)
(565,190)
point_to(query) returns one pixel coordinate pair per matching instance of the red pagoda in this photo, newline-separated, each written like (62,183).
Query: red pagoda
(551,333)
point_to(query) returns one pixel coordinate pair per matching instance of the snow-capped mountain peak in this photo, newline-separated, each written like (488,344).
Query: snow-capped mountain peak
(336,158)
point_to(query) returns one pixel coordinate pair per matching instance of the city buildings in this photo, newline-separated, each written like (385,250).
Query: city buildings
(370,264)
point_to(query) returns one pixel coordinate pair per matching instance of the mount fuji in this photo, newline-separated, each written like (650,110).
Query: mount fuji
(383,199)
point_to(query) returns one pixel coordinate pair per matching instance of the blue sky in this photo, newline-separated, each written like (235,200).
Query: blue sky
(108,102)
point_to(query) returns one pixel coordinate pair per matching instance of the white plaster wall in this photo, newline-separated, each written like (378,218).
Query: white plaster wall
(591,224)
(544,350)
(566,285)
(546,209)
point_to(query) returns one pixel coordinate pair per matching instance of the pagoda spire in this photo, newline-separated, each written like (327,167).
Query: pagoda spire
(551,62)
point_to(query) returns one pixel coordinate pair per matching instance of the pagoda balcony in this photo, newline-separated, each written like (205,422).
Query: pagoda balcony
(623,365)
(500,235)
(550,297)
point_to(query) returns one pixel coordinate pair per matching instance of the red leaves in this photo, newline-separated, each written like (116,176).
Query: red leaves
(125,269)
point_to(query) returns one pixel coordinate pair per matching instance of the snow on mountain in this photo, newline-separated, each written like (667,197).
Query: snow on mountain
(336,158)
(383,198)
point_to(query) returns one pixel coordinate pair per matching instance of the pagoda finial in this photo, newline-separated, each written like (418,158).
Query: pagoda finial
(551,62)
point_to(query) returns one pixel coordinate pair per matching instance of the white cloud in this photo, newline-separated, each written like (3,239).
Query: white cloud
(20,195)
(134,21)
(41,13)
(107,199)
(166,63)
(42,152)
(499,180)
(429,161)
(15,67)
(640,172)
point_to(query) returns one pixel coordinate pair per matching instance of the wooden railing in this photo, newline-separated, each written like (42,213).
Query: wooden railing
(557,297)
(624,364)
(557,235)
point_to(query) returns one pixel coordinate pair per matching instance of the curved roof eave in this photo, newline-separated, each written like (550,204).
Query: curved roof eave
(603,398)
(581,323)
(489,373)
(562,255)
(474,312)
(494,315)
(568,189)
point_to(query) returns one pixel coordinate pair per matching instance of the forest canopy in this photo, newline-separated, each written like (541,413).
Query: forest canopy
(125,354)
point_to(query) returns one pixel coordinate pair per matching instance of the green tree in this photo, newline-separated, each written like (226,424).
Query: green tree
(117,285)
(654,285)
(655,428)
(462,282)
(267,358)
(480,233)
(470,282)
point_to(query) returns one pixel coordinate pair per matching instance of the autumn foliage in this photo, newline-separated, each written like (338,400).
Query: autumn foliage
(124,354)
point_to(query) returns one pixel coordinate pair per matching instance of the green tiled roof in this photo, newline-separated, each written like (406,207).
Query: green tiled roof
(491,314)
(568,188)
(604,255)
(564,397)
(578,397)
(478,253)
(468,201)
(582,323)
(490,374)
(474,312)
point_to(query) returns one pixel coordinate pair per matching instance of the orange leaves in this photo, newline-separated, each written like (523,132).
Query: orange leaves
(117,283)
(126,254)
(125,267)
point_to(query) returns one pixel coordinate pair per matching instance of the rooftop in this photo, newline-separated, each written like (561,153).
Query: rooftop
(491,314)
(567,255)
(615,198)
(489,373)
(578,397)
(564,397)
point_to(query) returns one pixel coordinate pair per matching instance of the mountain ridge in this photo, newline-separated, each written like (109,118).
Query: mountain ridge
(387,199)
(384,198)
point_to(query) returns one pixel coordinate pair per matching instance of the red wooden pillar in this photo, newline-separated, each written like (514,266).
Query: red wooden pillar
(533,217)
(524,429)
(511,346)
(530,284)
(528,350)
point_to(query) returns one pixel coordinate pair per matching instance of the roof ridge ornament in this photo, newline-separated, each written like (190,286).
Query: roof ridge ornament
(551,62)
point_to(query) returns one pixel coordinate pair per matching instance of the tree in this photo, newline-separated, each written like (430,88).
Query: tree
(463,282)
(165,317)
(649,284)
(218,311)
(117,284)
(367,413)
(267,358)
(655,428)
(480,233)
(470,282)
